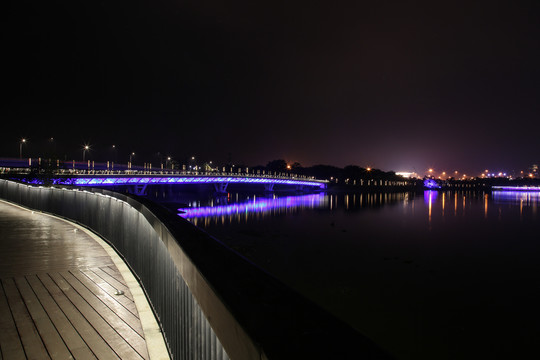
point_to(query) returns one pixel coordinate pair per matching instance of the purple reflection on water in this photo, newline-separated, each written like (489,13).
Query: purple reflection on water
(430,196)
(517,188)
(259,205)
(515,197)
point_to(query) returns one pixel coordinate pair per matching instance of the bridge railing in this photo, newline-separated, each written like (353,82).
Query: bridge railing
(210,301)
(274,175)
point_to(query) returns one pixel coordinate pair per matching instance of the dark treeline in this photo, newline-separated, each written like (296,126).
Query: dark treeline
(329,172)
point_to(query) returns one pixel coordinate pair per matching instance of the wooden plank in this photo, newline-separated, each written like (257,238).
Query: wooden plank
(34,248)
(53,342)
(10,344)
(113,271)
(113,339)
(90,336)
(117,316)
(122,299)
(22,254)
(115,281)
(69,334)
(33,346)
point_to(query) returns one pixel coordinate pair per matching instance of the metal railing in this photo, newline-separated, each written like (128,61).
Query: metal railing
(147,248)
(272,175)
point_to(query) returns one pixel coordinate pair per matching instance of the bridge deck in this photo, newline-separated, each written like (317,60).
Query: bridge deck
(58,291)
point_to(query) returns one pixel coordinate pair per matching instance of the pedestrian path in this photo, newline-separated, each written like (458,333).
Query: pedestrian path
(61,294)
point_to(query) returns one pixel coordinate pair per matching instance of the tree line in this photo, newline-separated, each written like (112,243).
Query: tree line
(328,171)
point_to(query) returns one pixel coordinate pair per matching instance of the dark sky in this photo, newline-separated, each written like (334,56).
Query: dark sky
(394,85)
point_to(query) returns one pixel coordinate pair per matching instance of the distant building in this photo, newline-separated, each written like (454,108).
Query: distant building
(407,174)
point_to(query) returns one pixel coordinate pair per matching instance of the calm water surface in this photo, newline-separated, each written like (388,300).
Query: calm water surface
(434,275)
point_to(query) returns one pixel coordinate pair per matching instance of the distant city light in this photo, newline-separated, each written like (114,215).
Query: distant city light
(406,174)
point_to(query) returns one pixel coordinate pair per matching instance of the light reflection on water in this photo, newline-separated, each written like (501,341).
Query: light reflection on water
(434,275)
(242,208)
(254,207)
(515,197)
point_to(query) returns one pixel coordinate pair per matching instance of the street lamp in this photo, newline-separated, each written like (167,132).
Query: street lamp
(23,141)
(113,148)
(85,149)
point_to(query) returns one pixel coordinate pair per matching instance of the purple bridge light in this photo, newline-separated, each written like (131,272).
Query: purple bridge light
(163,180)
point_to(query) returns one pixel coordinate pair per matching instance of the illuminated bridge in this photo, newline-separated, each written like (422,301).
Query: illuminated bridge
(140,180)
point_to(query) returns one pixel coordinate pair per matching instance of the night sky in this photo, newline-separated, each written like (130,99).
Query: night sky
(393,85)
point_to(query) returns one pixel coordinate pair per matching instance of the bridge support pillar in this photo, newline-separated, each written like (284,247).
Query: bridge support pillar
(269,188)
(221,188)
(139,190)
(299,188)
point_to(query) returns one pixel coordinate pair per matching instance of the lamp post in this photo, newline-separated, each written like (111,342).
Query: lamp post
(85,149)
(130,160)
(52,145)
(21,143)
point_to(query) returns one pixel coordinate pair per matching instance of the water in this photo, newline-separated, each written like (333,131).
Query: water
(435,275)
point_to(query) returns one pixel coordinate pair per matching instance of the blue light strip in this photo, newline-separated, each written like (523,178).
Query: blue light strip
(111,181)
(260,205)
(516,188)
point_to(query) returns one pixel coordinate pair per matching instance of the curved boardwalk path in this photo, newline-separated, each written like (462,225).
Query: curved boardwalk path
(61,295)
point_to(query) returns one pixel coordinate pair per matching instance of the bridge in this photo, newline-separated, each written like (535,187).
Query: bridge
(139,180)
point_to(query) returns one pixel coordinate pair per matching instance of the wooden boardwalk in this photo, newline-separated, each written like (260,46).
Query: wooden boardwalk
(61,296)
